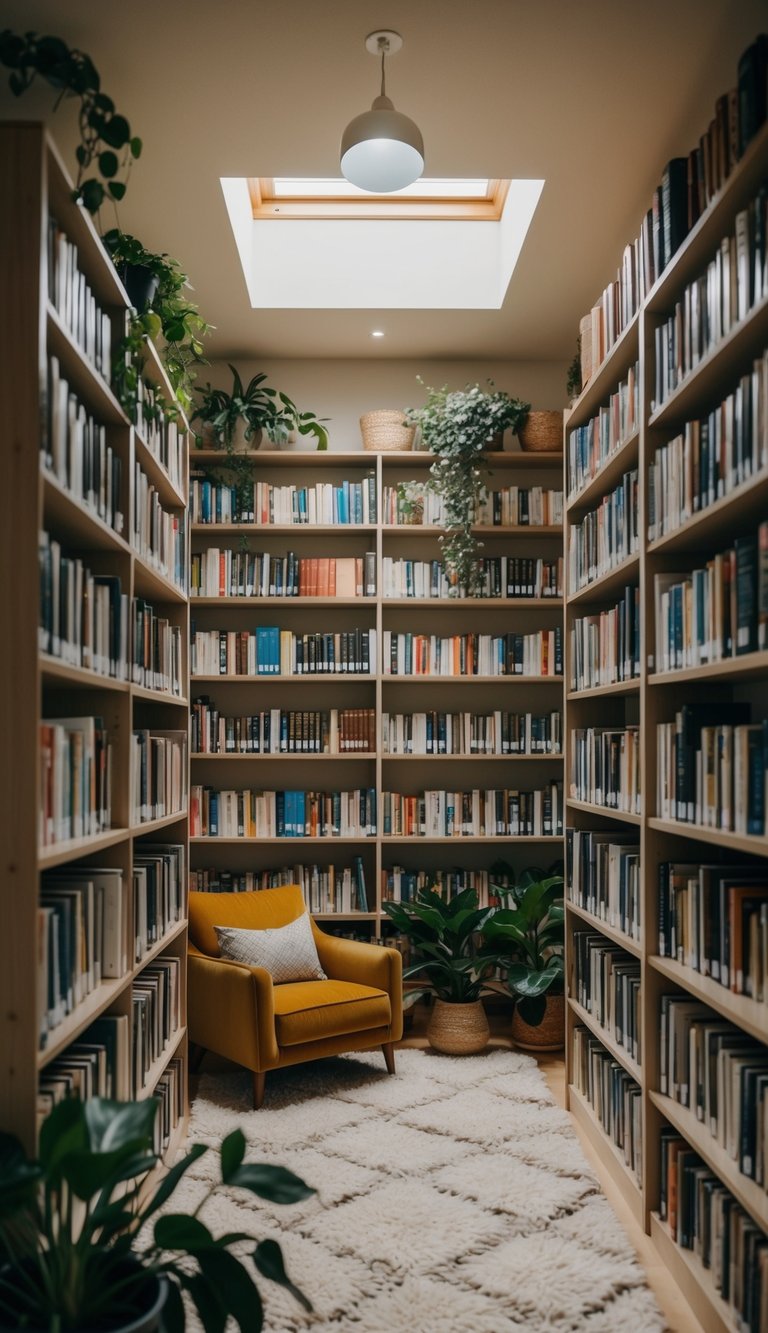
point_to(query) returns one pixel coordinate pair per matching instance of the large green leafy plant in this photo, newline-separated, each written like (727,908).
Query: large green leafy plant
(457,426)
(107,148)
(445,937)
(259,407)
(526,939)
(84,1242)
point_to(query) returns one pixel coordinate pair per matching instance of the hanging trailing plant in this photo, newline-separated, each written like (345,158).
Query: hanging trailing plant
(107,148)
(458,426)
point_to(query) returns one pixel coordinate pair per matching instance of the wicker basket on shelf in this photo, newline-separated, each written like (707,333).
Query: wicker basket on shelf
(386,430)
(542,433)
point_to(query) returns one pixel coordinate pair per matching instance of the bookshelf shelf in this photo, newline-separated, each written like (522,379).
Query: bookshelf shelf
(155,825)
(616,687)
(607,584)
(733,842)
(751,1197)
(728,514)
(742,1010)
(46,239)
(619,1054)
(286,602)
(517,679)
(335,677)
(621,356)
(612,933)
(284,842)
(285,458)
(477,603)
(555,758)
(282,529)
(158,1066)
(606,1150)
(502,460)
(482,530)
(469,839)
(293,757)
(747,667)
(693,1279)
(613,469)
(604,811)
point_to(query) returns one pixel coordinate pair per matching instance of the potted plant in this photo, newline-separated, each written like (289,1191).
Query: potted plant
(526,939)
(458,427)
(444,935)
(86,1243)
(236,420)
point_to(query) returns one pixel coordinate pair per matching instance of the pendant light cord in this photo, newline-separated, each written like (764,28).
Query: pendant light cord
(384,45)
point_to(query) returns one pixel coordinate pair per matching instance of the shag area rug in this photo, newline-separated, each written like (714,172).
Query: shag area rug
(452,1198)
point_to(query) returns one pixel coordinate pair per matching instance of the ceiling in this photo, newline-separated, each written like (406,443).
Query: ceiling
(594,97)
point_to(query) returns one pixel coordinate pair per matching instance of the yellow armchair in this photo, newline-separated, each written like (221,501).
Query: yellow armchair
(238,1012)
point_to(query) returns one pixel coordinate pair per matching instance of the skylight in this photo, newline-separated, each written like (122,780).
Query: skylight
(461,200)
(293,187)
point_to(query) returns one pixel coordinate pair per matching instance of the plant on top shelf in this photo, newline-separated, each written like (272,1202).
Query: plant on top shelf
(107,148)
(525,938)
(250,409)
(573,381)
(157,286)
(447,964)
(84,1243)
(458,427)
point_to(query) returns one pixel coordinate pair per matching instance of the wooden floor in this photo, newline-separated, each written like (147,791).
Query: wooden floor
(676,1310)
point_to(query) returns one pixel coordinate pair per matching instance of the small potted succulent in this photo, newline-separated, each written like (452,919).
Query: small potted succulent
(526,939)
(459,427)
(236,421)
(87,1243)
(447,965)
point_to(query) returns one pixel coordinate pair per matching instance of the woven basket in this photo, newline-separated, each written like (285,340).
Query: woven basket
(458,1029)
(542,433)
(548,1035)
(385,431)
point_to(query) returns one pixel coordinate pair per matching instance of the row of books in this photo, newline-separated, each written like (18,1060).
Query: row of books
(496,813)
(324,504)
(87,621)
(702,1216)
(716,611)
(735,281)
(158,893)
(605,767)
(270,651)
(711,456)
(604,877)
(282,814)
(71,296)
(471,733)
(612,312)
(158,774)
(613,1094)
(606,536)
(605,646)
(498,576)
(225,573)
(326,888)
(418,505)
(399,885)
(98,1064)
(721,1076)
(155,1015)
(714,919)
(711,768)
(537,654)
(164,436)
(283,731)
(75,451)
(606,982)
(592,445)
(158,535)
(75,779)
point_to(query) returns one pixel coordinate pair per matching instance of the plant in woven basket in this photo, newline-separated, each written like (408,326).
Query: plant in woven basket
(526,939)
(444,933)
(86,1243)
(457,426)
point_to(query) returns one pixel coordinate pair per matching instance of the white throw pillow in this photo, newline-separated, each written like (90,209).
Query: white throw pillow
(288,952)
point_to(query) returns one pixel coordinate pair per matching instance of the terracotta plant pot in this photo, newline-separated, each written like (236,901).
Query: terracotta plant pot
(458,1029)
(548,1035)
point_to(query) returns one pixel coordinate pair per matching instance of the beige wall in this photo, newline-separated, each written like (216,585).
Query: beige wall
(343,390)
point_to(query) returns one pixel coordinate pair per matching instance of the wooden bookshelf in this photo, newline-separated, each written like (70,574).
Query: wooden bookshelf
(378,690)
(654,698)
(38,684)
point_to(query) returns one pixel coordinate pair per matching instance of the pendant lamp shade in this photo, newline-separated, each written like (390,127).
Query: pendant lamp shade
(382,150)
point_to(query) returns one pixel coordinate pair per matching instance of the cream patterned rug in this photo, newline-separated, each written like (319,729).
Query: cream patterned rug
(452,1198)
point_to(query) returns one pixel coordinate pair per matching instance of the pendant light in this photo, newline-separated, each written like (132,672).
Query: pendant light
(382,150)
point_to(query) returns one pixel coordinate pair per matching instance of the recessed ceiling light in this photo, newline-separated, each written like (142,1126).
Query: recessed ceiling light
(377,333)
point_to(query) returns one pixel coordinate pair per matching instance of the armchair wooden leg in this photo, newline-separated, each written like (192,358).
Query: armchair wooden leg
(389,1056)
(259,1082)
(196,1057)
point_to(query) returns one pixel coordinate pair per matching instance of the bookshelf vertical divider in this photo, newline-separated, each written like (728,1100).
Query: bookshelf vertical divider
(657,696)
(37,684)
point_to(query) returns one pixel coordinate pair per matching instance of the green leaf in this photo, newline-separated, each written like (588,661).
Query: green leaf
(63,1131)
(532,1009)
(268,1258)
(174,1317)
(116,131)
(275,1183)
(181,1231)
(19,1177)
(232,1153)
(92,194)
(114,1125)
(210,1303)
(136,147)
(117,189)
(229,1276)
(108,163)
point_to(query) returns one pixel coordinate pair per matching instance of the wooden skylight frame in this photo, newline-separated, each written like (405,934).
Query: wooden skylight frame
(267,205)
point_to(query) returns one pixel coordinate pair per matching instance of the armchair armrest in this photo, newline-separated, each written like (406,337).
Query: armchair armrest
(231,1010)
(367,964)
